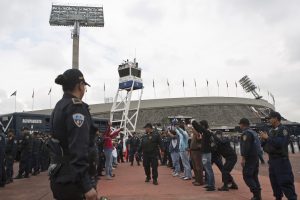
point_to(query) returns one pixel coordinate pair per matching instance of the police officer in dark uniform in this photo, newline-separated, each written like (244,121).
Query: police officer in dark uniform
(250,160)
(134,144)
(36,147)
(2,158)
(26,151)
(166,139)
(71,125)
(10,154)
(150,144)
(101,158)
(280,169)
(224,148)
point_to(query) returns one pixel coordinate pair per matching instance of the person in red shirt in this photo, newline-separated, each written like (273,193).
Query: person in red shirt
(108,148)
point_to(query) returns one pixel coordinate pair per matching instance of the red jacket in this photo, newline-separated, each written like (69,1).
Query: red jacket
(108,136)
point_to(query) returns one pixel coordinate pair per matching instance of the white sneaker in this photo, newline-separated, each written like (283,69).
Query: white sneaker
(176,174)
(187,178)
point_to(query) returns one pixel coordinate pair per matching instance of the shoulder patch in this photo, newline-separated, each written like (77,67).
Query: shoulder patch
(244,137)
(76,101)
(285,132)
(78,119)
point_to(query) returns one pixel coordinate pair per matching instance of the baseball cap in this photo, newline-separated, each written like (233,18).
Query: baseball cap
(148,125)
(274,114)
(244,121)
(71,77)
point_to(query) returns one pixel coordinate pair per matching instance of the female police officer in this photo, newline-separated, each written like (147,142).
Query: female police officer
(71,124)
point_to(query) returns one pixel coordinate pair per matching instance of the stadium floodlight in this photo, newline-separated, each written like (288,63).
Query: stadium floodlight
(77,16)
(249,86)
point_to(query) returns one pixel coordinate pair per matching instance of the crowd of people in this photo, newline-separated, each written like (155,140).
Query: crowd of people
(77,154)
(194,147)
(30,150)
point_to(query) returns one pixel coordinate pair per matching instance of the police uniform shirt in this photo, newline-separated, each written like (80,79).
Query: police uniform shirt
(277,143)
(150,143)
(248,146)
(71,124)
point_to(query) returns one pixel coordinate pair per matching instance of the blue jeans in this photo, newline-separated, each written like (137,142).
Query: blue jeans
(175,160)
(108,162)
(186,164)
(206,161)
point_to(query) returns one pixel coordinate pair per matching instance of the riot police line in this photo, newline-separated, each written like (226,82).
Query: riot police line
(30,150)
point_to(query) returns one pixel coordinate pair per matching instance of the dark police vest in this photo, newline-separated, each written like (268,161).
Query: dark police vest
(277,144)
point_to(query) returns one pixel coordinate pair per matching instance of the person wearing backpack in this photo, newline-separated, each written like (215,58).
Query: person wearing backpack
(250,161)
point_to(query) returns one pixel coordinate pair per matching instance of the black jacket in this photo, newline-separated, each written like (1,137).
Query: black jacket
(206,137)
(150,143)
(71,124)
(224,148)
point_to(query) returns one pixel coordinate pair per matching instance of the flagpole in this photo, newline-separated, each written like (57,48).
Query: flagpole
(50,101)
(196,87)
(16,103)
(218,88)
(207,87)
(154,90)
(32,103)
(104,95)
(183,88)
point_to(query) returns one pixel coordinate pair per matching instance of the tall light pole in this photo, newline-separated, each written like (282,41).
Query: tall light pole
(76,16)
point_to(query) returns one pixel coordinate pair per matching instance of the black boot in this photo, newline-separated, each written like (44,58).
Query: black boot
(147,179)
(233,186)
(155,182)
(224,188)
(19,176)
(256,196)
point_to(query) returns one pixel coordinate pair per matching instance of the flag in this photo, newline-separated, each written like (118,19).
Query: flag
(153,84)
(104,87)
(218,84)
(207,82)
(50,91)
(182,83)
(32,94)
(14,94)
(227,84)
(168,83)
(195,83)
(235,84)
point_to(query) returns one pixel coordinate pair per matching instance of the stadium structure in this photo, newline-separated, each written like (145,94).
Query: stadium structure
(221,112)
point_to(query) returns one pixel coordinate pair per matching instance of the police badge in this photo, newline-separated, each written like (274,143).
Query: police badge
(78,119)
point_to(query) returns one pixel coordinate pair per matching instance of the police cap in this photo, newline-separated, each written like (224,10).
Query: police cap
(276,115)
(148,125)
(245,121)
(71,77)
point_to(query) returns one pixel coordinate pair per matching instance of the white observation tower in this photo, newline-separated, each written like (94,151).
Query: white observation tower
(123,113)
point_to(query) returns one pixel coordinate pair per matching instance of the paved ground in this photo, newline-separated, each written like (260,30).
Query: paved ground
(129,185)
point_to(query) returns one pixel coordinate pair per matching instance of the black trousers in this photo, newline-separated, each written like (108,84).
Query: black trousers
(132,154)
(24,165)
(250,174)
(282,178)
(227,168)
(66,191)
(150,161)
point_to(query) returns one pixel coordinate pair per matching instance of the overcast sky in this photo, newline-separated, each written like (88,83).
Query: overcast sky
(172,39)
